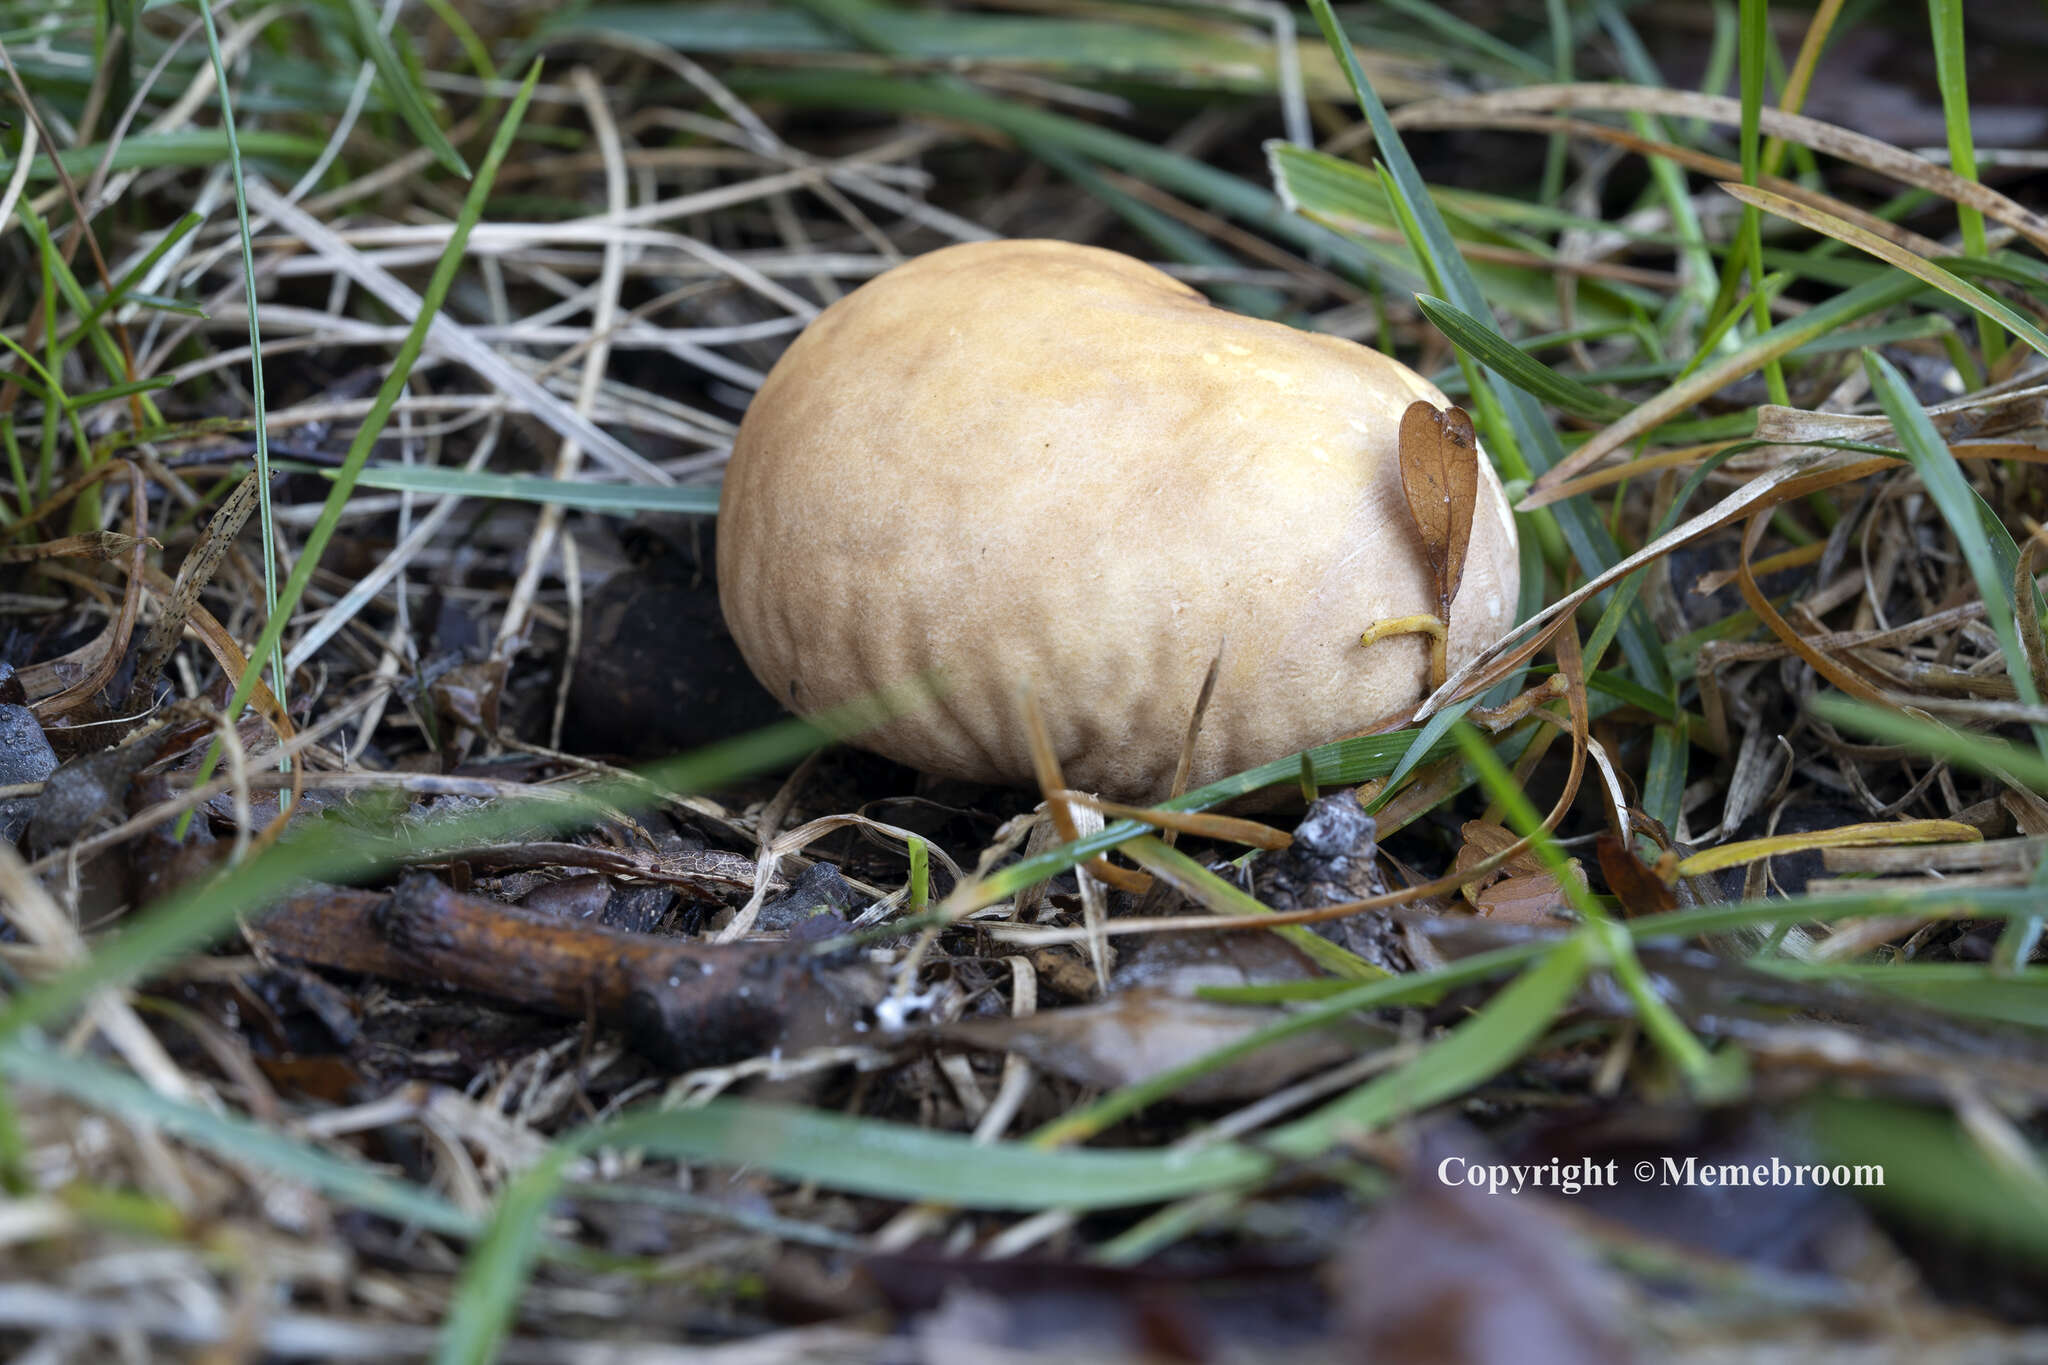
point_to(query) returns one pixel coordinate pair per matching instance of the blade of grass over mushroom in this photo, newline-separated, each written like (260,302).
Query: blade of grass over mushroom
(1984,304)
(395,381)
(689,499)
(1516,365)
(1986,545)
(1526,429)
(1207,889)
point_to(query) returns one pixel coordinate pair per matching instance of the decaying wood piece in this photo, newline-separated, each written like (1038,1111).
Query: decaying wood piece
(682,1003)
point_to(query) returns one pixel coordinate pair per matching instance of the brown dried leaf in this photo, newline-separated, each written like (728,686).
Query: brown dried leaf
(1440,475)
(1484,840)
(1640,890)
(1536,898)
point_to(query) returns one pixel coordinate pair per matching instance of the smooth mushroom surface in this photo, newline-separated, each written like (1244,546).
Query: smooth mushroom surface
(1033,462)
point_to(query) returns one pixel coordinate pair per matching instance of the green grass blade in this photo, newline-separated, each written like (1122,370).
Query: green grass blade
(897,1161)
(273,655)
(388,394)
(1171,865)
(1816,322)
(1663,1025)
(1972,990)
(492,1279)
(1117,48)
(1348,199)
(623,499)
(189,147)
(1951,73)
(1517,366)
(1753,45)
(1336,1000)
(29,1060)
(1451,28)
(121,292)
(1987,546)
(1938,1174)
(1472,1053)
(1978,753)
(406,97)
(1985,305)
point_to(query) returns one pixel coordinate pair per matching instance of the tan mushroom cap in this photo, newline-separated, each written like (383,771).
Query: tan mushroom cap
(1029,461)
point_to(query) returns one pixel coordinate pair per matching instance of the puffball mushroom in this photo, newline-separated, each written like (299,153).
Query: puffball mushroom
(1033,463)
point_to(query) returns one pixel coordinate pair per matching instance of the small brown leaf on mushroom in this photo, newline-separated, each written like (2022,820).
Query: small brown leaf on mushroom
(1440,475)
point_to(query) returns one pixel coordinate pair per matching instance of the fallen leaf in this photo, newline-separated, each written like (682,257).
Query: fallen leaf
(1536,898)
(1440,475)
(1484,839)
(1638,887)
